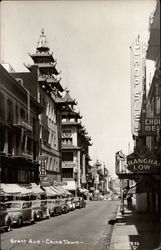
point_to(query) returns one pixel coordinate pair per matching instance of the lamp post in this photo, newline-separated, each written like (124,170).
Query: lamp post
(75,179)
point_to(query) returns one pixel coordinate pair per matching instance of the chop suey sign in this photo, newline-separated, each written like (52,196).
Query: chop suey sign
(144,164)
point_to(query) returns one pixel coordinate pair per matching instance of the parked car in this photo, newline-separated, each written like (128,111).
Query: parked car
(57,210)
(40,210)
(79,202)
(71,204)
(20,211)
(64,206)
(51,206)
(82,202)
(5,218)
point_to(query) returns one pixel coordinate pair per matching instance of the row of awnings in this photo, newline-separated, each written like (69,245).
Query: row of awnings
(17,189)
(56,190)
(30,189)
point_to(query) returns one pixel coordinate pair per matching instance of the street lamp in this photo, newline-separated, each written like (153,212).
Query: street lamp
(75,179)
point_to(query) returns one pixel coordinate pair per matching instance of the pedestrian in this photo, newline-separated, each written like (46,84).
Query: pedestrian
(129,200)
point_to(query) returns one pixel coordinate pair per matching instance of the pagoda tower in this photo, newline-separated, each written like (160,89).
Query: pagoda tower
(47,72)
(49,95)
(74,146)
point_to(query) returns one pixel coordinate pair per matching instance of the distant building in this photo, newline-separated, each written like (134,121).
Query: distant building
(75,144)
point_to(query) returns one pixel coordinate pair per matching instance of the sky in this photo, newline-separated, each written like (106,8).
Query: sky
(91,42)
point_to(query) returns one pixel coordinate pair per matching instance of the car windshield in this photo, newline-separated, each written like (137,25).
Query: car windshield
(35,204)
(13,205)
(2,207)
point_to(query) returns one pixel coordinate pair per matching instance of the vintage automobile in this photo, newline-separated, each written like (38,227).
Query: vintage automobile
(20,211)
(65,206)
(79,202)
(5,218)
(40,210)
(51,206)
(57,210)
(71,204)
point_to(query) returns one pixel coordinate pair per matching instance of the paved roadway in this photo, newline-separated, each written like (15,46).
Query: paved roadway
(85,228)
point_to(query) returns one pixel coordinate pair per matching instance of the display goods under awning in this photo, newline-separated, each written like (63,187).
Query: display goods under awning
(70,186)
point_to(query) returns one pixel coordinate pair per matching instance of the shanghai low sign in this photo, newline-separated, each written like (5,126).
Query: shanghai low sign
(143,165)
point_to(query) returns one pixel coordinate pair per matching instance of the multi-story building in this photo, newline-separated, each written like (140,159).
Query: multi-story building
(144,164)
(42,82)
(75,143)
(19,132)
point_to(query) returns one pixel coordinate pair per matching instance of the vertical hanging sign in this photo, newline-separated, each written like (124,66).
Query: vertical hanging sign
(137,83)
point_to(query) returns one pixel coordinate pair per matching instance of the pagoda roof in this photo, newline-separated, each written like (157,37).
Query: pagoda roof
(67,98)
(51,81)
(42,44)
(46,67)
(43,54)
(70,113)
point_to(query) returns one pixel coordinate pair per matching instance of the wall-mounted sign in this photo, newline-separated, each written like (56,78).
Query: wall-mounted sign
(151,126)
(42,165)
(66,133)
(137,80)
(143,164)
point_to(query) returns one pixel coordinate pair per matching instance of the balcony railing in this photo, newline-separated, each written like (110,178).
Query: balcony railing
(23,124)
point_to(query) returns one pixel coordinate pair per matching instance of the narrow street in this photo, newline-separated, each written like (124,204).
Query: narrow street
(85,228)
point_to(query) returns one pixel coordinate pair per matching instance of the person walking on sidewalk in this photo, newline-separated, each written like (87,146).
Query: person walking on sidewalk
(129,200)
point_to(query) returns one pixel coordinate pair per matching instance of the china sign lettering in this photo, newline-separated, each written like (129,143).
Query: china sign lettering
(143,165)
(137,80)
(151,126)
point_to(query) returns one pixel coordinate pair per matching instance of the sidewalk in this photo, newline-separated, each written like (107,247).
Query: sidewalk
(139,231)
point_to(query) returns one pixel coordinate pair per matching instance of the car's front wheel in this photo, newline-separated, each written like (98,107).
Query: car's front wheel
(9,224)
(20,222)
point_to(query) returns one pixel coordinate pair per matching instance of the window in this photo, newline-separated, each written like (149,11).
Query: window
(22,176)
(2,108)
(2,137)
(67,172)
(22,114)
(68,141)
(10,142)
(10,110)
(67,156)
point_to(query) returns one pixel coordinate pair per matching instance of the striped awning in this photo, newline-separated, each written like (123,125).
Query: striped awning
(14,189)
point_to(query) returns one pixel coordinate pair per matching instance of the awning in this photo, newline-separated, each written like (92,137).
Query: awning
(36,189)
(56,190)
(50,191)
(62,190)
(83,190)
(70,186)
(14,189)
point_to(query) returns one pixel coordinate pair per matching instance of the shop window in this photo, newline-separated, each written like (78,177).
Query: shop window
(2,107)
(10,110)
(22,176)
(67,172)
(32,176)
(67,156)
